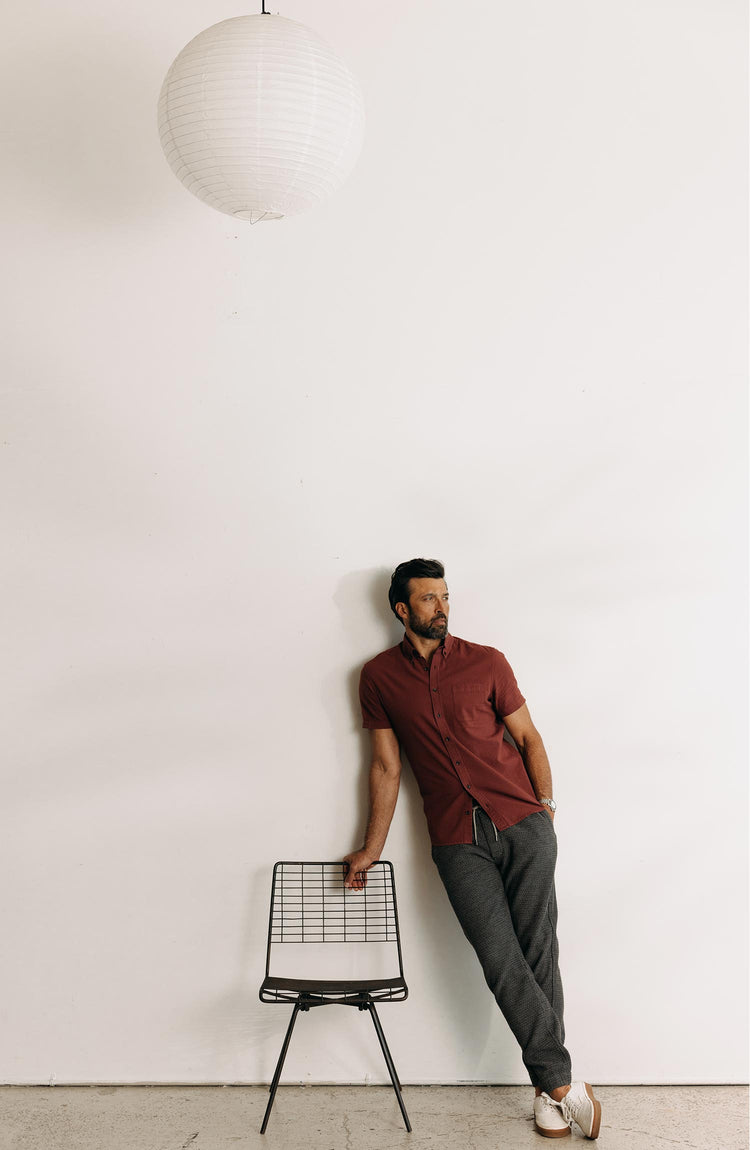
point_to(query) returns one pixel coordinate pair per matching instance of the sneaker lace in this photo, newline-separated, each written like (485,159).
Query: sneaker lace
(553,1107)
(570,1110)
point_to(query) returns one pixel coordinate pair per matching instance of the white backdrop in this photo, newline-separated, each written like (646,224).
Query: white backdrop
(516,341)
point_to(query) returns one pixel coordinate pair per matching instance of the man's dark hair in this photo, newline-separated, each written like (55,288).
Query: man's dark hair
(412,569)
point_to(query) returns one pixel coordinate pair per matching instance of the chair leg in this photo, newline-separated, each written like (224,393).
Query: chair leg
(388,1061)
(279,1065)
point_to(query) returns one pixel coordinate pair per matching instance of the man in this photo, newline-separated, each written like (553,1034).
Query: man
(490,814)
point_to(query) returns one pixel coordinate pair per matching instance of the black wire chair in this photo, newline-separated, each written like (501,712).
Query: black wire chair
(311,904)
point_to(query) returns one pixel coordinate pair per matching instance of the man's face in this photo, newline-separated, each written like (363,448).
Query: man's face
(426,613)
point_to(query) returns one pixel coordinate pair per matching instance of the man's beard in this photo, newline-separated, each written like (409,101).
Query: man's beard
(437,629)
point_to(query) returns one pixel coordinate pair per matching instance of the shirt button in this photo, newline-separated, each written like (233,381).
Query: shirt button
(439,714)
(434,688)
(458,762)
(468,786)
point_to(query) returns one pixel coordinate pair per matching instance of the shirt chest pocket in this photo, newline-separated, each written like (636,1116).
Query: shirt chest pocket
(473,710)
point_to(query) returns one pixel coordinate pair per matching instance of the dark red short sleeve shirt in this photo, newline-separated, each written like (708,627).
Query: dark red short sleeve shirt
(448,718)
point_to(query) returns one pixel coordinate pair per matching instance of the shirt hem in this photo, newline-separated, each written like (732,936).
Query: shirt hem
(507,826)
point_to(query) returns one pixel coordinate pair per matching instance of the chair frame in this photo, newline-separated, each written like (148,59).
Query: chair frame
(304,994)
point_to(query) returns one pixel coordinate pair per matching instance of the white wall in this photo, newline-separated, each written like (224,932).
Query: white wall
(515,340)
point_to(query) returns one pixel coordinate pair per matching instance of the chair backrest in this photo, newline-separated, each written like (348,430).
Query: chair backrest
(310,904)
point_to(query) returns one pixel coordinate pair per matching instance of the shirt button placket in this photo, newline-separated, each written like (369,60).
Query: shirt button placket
(434,688)
(439,713)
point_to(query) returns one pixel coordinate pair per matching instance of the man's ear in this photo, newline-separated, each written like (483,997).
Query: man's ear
(402,612)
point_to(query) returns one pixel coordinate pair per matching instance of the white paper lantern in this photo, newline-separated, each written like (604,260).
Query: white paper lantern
(259,118)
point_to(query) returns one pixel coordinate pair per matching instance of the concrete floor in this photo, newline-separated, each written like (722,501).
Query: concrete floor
(356,1118)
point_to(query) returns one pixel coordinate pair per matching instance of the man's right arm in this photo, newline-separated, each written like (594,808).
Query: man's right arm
(385,776)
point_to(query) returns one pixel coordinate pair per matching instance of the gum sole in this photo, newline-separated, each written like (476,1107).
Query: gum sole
(596,1124)
(552,1133)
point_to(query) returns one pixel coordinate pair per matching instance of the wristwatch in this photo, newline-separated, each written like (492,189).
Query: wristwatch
(549,803)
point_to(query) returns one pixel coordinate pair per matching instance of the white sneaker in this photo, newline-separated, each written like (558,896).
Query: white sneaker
(580,1106)
(547,1118)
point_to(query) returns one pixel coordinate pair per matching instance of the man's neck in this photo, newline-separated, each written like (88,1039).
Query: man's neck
(424,647)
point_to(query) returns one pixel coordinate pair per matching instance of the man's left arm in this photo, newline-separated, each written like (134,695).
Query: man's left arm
(529,743)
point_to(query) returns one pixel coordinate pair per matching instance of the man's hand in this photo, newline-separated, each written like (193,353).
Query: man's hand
(356,866)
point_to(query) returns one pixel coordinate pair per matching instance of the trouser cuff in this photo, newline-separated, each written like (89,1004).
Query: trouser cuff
(555,1078)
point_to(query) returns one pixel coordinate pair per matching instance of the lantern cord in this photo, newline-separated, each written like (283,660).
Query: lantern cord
(263,9)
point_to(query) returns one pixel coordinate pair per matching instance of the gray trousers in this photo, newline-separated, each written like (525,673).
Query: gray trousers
(502,888)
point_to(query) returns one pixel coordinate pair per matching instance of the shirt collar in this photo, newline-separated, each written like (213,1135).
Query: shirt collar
(411,652)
